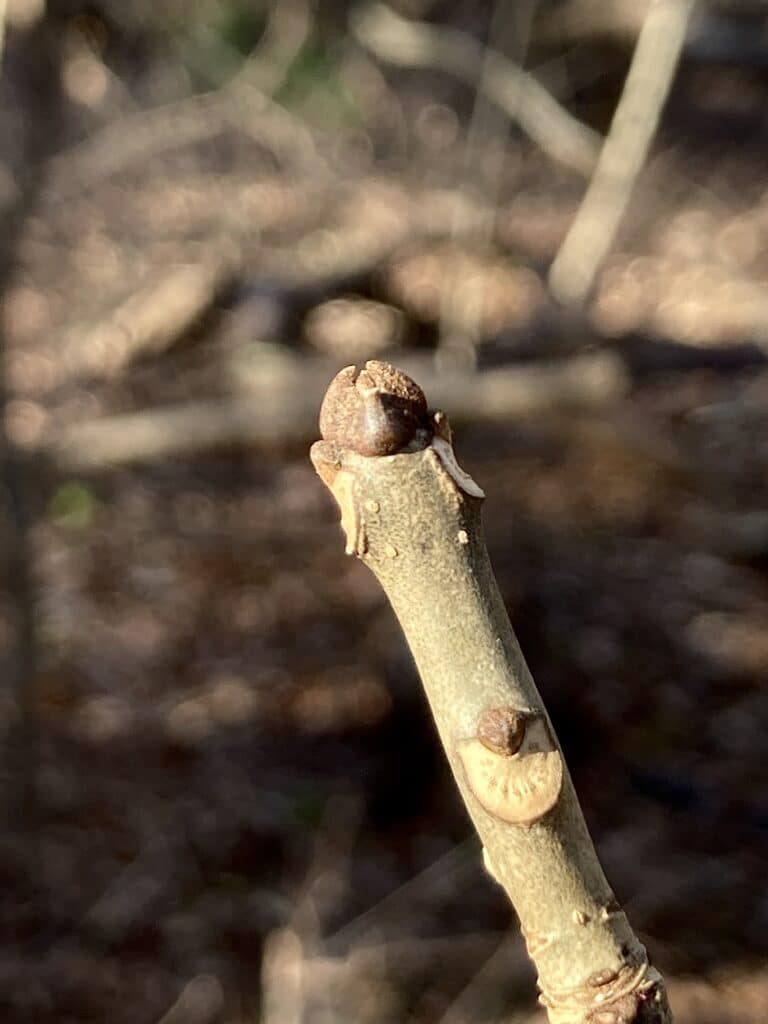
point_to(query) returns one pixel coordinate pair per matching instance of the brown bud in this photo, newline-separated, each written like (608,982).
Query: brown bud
(375,411)
(501,730)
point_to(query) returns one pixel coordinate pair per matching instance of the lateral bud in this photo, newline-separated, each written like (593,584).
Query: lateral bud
(501,730)
(513,766)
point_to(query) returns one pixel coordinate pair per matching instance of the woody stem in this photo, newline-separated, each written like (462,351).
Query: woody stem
(413,523)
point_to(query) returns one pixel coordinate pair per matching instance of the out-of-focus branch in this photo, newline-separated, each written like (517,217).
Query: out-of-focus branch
(199,1002)
(151,320)
(280,408)
(483,156)
(357,234)
(574,21)
(244,102)
(634,124)
(146,133)
(288,27)
(518,94)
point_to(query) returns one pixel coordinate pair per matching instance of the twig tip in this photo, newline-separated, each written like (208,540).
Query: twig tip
(377,410)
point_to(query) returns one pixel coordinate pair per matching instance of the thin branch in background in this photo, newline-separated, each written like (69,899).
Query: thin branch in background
(291,949)
(634,124)
(244,103)
(147,133)
(289,25)
(279,408)
(200,1001)
(472,1002)
(518,94)
(152,320)
(484,151)
(448,865)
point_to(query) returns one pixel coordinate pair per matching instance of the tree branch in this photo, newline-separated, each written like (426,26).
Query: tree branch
(634,124)
(280,406)
(517,93)
(150,320)
(413,517)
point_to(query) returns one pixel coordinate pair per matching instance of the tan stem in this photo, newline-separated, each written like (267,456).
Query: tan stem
(414,520)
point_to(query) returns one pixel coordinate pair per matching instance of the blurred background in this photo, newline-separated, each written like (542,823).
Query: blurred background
(223,798)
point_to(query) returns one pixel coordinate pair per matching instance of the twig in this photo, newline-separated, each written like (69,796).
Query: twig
(288,26)
(518,94)
(460,314)
(661,38)
(244,102)
(280,409)
(413,517)
(574,21)
(147,133)
(199,1002)
(149,321)
(447,867)
(472,1002)
(291,951)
